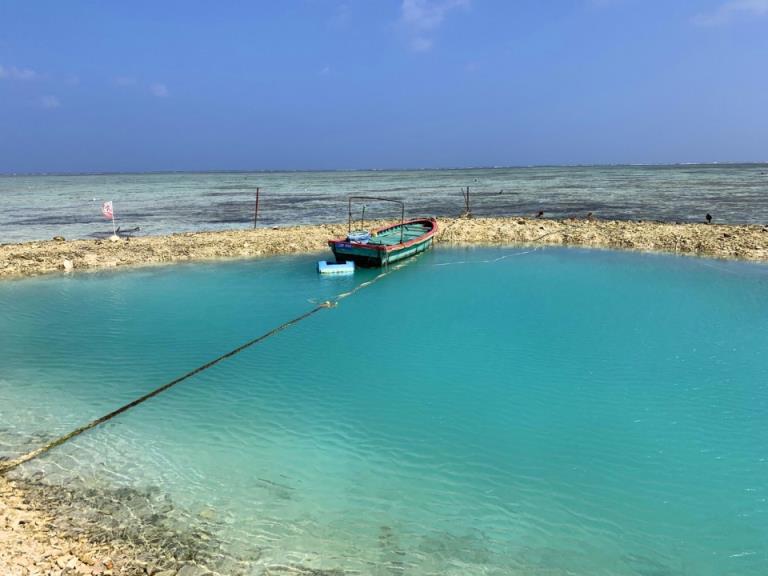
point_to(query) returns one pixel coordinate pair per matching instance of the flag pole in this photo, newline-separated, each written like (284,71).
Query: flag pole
(108,212)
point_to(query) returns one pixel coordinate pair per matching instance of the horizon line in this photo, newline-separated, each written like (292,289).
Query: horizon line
(331,170)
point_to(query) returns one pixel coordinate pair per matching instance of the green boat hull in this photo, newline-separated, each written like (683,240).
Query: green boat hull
(368,258)
(388,245)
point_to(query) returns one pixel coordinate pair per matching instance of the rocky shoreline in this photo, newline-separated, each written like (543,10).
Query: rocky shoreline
(66,531)
(64,525)
(73,530)
(745,242)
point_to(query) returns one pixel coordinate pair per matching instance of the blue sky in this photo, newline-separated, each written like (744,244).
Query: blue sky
(328,84)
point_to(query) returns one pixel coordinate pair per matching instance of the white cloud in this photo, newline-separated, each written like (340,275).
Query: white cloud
(13,73)
(421,44)
(159,90)
(341,16)
(49,102)
(731,9)
(423,17)
(428,14)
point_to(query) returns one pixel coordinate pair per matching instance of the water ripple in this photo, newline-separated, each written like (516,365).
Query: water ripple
(572,413)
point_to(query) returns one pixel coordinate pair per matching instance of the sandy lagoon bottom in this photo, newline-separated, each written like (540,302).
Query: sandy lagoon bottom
(555,412)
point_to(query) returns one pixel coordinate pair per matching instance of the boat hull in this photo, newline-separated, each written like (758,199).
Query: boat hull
(372,255)
(368,258)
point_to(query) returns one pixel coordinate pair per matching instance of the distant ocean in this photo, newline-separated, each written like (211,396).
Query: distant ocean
(41,206)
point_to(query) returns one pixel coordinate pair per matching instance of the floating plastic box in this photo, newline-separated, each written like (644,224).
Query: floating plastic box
(335,267)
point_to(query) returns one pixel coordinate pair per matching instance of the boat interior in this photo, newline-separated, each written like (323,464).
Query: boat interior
(391,236)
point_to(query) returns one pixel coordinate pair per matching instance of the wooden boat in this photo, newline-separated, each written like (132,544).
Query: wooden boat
(387,244)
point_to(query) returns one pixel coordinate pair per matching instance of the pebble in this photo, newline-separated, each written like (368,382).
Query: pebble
(192,570)
(64,531)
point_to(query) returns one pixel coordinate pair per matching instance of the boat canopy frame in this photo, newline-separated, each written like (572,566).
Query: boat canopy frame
(362,219)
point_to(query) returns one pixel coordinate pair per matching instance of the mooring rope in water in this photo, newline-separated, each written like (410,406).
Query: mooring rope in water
(373,280)
(13,463)
(8,465)
(500,258)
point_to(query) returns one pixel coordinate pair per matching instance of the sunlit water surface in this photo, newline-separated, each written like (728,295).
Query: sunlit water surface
(556,412)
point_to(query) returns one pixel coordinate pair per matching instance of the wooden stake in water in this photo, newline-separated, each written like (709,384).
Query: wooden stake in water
(256,208)
(465,194)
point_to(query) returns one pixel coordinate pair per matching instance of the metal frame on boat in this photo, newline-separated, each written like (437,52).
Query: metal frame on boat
(387,244)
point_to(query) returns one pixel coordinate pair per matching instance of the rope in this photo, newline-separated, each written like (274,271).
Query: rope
(500,258)
(373,280)
(11,464)
(6,466)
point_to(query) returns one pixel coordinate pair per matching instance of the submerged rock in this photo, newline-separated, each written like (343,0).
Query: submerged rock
(104,530)
(192,570)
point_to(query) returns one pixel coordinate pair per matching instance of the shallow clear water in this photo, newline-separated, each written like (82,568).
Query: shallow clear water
(554,412)
(39,207)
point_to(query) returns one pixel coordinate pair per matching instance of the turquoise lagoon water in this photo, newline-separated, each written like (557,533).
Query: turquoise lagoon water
(550,413)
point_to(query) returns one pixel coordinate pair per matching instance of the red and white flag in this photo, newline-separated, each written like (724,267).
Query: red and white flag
(106,209)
